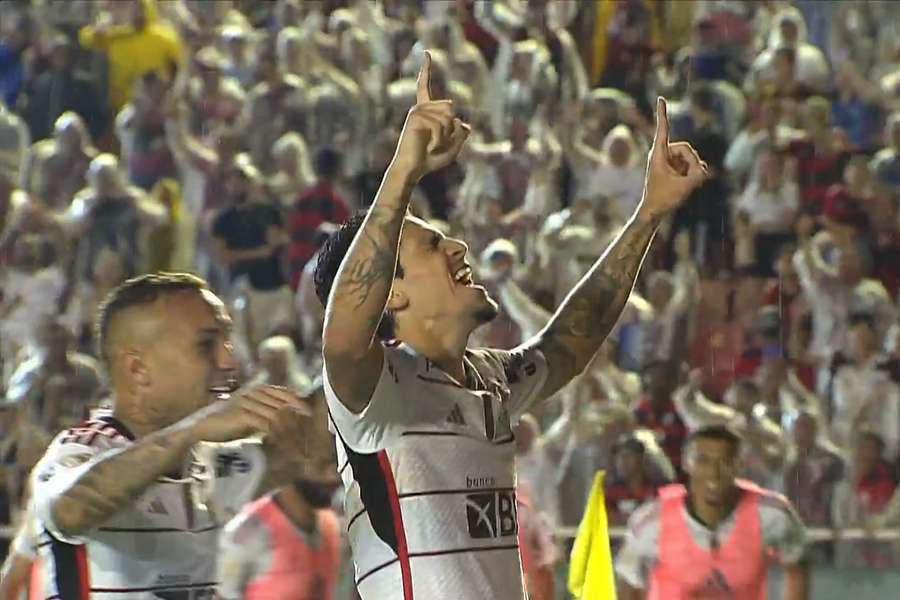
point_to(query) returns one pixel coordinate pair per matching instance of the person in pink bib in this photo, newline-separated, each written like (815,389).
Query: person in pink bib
(715,538)
(287,544)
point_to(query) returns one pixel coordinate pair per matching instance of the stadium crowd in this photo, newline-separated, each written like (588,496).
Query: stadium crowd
(228,138)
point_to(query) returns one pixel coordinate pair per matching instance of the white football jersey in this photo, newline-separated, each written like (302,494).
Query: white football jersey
(164,544)
(428,469)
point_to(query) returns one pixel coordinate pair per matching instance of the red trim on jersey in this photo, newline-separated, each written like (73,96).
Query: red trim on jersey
(84,574)
(35,581)
(402,550)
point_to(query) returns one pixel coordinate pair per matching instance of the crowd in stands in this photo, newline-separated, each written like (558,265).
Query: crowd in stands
(228,138)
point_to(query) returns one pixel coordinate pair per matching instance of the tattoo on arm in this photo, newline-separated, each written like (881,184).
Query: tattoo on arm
(364,280)
(373,261)
(114,482)
(589,312)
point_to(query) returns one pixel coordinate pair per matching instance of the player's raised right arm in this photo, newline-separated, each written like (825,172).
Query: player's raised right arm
(431,139)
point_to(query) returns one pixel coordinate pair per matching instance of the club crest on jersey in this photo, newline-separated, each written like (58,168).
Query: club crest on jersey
(491,514)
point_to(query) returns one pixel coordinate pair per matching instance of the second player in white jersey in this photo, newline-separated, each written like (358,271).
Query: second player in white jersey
(164,544)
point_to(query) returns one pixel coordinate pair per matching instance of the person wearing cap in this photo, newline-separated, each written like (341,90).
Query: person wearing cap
(714,537)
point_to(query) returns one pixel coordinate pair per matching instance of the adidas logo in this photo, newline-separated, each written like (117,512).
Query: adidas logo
(456,416)
(157,508)
(715,584)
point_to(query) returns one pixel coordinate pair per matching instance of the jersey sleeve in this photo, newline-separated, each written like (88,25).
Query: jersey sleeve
(783,533)
(639,551)
(525,371)
(244,550)
(26,541)
(230,474)
(389,408)
(64,462)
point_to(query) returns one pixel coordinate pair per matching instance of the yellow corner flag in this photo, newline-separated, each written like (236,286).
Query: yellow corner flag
(590,566)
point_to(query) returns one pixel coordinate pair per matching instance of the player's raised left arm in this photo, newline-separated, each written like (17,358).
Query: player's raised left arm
(581,323)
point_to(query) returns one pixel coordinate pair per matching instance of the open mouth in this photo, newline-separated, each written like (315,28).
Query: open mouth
(225,389)
(463,276)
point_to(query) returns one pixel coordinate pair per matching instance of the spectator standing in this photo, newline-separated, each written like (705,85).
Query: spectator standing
(139,43)
(57,166)
(249,236)
(111,214)
(15,37)
(140,127)
(863,496)
(836,289)
(766,209)
(54,356)
(814,467)
(864,396)
(656,411)
(32,287)
(61,88)
(627,487)
(322,203)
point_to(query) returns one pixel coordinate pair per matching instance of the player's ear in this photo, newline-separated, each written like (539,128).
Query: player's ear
(136,368)
(398,300)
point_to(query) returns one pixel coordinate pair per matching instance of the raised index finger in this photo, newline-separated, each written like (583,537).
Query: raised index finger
(661,140)
(423,83)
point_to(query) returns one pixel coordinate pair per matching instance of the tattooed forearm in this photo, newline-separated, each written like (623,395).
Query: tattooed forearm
(370,267)
(115,482)
(364,281)
(589,312)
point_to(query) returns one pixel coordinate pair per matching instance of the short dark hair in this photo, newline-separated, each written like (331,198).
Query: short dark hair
(716,432)
(327,163)
(137,291)
(332,254)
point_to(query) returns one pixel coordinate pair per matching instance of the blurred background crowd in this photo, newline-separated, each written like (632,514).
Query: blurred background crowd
(228,137)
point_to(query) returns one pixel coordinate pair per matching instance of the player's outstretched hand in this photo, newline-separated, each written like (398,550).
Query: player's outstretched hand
(433,135)
(249,411)
(673,170)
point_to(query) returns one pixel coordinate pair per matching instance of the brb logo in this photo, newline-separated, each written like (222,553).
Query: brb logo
(491,514)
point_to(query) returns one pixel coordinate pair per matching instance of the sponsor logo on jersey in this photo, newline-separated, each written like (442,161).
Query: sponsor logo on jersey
(157,507)
(456,416)
(231,462)
(491,514)
(715,585)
